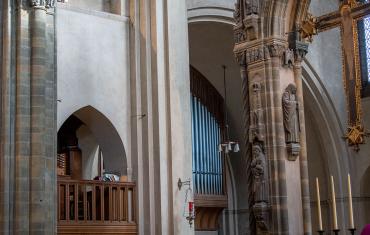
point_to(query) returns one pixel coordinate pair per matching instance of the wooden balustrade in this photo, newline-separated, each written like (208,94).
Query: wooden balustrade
(88,202)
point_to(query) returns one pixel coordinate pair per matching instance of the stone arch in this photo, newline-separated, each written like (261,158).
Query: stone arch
(234,187)
(283,15)
(220,11)
(328,131)
(106,136)
(365,193)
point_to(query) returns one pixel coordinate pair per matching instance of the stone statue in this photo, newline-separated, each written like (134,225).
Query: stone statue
(291,115)
(256,115)
(252,7)
(259,171)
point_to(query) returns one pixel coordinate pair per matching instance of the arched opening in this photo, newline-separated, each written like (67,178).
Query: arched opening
(92,183)
(211,45)
(88,133)
(326,152)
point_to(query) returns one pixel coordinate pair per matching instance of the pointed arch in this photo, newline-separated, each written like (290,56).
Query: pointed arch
(107,137)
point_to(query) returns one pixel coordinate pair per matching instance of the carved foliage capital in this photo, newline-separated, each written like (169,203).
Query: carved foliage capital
(276,50)
(42,3)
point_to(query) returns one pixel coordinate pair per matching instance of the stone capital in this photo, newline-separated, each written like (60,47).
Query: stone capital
(42,3)
(299,47)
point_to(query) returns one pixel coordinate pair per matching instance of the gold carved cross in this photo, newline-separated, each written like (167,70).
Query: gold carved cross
(350,11)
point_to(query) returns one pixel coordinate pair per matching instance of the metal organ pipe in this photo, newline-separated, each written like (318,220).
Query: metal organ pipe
(207,161)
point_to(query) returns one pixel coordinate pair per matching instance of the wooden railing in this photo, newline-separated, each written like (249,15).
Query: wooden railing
(95,202)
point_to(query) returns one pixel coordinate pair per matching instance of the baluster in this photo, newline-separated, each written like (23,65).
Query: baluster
(67,202)
(133,204)
(110,201)
(125,201)
(76,201)
(85,201)
(93,210)
(102,217)
(59,201)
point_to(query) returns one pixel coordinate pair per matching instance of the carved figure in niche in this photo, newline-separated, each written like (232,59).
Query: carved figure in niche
(256,112)
(252,7)
(291,114)
(259,171)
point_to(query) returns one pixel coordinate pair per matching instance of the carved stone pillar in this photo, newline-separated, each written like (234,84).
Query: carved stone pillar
(280,203)
(300,50)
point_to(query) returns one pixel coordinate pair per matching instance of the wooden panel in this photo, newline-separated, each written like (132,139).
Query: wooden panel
(203,200)
(207,211)
(87,229)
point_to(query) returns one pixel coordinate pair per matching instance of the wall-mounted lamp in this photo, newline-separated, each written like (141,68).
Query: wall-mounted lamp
(229,146)
(189,211)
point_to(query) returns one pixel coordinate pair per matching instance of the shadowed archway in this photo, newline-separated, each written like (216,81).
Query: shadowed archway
(90,120)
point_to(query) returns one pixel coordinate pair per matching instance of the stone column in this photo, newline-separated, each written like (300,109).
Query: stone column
(160,86)
(30,100)
(300,50)
(7,111)
(280,190)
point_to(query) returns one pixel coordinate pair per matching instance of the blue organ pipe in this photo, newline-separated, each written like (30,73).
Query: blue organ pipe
(205,160)
(220,170)
(198,147)
(192,139)
(206,138)
(195,144)
(218,165)
(214,149)
(215,157)
(208,153)
(195,157)
(211,153)
(202,149)
(215,153)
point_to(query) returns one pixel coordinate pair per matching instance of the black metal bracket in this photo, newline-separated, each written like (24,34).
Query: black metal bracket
(182,183)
